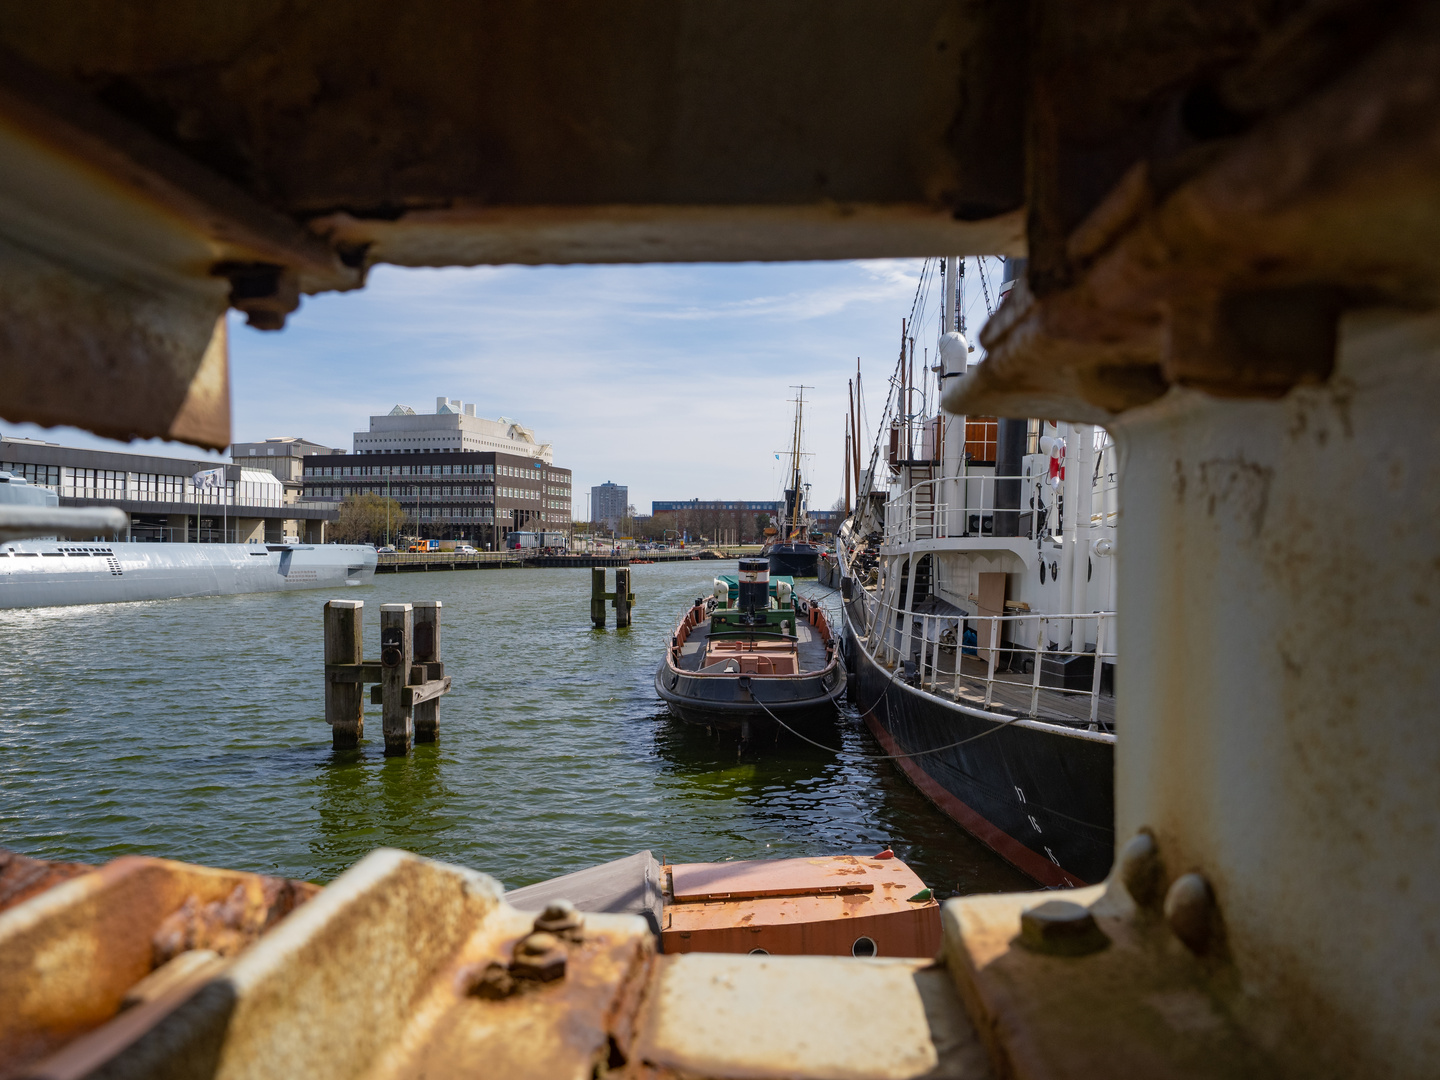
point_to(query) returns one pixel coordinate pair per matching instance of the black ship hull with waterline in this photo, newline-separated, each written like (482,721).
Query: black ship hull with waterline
(793,560)
(1005,779)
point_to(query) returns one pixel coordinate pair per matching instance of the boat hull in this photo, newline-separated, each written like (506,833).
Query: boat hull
(1040,795)
(741,703)
(793,560)
(827,570)
(46,573)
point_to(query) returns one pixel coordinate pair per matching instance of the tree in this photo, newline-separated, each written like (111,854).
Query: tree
(363,520)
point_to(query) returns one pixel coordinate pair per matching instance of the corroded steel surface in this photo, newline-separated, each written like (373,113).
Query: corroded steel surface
(69,955)
(1139,1004)
(405,967)
(22,877)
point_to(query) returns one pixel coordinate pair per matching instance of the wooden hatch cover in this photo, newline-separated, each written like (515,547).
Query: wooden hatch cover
(776,877)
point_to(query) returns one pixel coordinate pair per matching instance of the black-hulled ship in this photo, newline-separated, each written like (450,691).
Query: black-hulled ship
(791,550)
(978,595)
(751,653)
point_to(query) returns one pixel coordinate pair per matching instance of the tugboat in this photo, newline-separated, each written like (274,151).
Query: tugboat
(753,653)
(789,548)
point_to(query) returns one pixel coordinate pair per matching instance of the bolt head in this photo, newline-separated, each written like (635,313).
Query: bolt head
(1190,910)
(1141,871)
(537,943)
(1061,928)
(559,918)
(539,956)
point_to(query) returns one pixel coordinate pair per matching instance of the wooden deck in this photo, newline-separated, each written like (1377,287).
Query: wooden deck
(811,648)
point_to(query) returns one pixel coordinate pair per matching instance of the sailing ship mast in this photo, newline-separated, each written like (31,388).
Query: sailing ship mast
(794,495)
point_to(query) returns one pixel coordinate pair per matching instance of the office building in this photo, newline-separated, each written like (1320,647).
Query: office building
(160,496)
(453,426)
(450,494)
(609,503)
(282,456)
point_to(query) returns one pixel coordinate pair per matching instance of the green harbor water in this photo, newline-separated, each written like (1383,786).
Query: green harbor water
(193,729)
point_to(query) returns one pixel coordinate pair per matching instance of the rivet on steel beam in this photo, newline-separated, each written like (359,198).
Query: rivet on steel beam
(1140,870)
(1189,911)
(561,918)
(540,956)
(1061,928)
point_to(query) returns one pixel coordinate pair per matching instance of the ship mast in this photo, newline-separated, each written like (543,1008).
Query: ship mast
(796,514)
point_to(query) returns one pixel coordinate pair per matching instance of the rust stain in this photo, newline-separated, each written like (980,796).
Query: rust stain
(22,877)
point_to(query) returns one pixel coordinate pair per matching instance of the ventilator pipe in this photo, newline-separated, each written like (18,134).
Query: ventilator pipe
(1009,462)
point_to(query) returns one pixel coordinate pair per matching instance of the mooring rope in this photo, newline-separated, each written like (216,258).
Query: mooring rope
(884,757)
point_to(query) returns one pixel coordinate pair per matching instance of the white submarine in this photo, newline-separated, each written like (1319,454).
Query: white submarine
(56,573)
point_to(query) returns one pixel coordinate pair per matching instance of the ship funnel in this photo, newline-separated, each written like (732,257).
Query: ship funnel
(754,585)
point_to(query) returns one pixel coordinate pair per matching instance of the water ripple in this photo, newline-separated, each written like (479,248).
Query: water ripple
(193,729)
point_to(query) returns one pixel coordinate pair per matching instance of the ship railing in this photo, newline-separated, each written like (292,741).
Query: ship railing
(954,506)
(964,506)
(1022,654)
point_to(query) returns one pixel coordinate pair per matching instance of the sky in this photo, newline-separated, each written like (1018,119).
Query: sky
(675,380)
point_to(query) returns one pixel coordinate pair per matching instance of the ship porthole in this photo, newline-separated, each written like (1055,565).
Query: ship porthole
(864,946)
(759,952)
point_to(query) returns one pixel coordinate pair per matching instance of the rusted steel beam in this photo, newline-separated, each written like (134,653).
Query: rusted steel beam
(423,966)
(1233,282)
(118,257)
(22,877)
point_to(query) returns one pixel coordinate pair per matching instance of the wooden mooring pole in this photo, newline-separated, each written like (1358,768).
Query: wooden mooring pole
(622,598)
(344,644)
(597,596)
(427,653)
(397,653)
(409,677)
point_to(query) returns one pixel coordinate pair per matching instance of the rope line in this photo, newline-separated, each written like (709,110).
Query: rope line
(884,757)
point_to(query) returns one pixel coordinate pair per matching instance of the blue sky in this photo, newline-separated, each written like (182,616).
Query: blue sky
(672,379)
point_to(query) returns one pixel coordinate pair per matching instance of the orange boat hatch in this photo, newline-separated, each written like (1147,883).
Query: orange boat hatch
(845,905)
(776,877)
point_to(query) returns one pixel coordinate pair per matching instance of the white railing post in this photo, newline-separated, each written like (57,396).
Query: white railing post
(924,646)
(994,652)
(908,579)
(935,654)
(1039,661)
(1095,675)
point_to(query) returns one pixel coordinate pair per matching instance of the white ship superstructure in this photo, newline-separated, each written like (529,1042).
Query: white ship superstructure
(978,576)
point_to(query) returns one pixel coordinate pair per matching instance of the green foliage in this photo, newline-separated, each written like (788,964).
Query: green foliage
(363,520)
